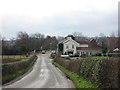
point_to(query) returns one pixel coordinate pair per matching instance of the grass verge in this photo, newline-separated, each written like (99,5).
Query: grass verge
(78,81)
(10,77)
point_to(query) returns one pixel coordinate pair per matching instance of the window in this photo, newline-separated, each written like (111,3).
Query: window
(72,46)
(67,47)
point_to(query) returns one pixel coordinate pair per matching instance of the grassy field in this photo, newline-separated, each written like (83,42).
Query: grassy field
(95,57)
(12,56)
(82,58)
(78,81)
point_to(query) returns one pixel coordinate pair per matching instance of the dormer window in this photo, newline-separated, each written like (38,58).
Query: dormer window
(67,47)
(72,46)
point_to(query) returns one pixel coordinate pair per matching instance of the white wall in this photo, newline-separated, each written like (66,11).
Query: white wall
(93,52)
(83,45)
(69,44)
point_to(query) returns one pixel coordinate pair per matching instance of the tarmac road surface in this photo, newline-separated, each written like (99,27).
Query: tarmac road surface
(43,75)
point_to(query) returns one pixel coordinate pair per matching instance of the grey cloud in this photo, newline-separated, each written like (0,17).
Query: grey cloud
(89,23)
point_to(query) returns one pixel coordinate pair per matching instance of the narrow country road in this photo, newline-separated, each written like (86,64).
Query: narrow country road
(43,75)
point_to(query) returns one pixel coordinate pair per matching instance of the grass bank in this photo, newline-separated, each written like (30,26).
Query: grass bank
(12,76)
(78,81)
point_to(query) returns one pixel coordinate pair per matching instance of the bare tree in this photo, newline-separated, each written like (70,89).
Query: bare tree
(60,38)
(79,36)
(112,42)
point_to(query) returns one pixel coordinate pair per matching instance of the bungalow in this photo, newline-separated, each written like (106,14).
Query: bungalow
(70,46)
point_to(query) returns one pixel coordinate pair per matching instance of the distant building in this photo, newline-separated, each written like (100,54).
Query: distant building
(116,50)
(70,46)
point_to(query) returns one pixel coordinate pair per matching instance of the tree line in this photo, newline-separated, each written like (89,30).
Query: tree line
(107,43)
(25,43)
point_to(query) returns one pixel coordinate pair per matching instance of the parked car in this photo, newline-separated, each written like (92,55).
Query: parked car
(74,55)
(64,55)
(53,52)
(71,55)
(43,51)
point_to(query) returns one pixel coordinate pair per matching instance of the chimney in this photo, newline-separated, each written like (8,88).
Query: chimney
(69,38)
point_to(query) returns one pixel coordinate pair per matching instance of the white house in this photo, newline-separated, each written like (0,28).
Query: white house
(70,46)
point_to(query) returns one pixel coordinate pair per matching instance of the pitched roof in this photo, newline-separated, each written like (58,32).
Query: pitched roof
(116,49)
(88,41)
(88,48)
(67,40)
(84,42)
(62,41)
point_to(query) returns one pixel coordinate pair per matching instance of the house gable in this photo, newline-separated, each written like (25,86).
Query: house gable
(71,46)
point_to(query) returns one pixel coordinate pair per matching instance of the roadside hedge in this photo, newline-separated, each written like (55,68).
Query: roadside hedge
(16,68)
(110,72)
(103,72)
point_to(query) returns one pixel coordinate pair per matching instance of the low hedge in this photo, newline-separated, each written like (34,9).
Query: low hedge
(101,71)
(12,70)
(78,81)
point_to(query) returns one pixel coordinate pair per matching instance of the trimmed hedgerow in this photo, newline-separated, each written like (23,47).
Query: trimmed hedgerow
(110,73)
(90,68)
(102,71)
(78,81)
(13,70)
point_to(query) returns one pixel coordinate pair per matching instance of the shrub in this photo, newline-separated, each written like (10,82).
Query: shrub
(90,69)
(53,55)
(103,71)
(110,73)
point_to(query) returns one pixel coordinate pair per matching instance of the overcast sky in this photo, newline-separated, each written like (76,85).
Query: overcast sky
(58,17)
